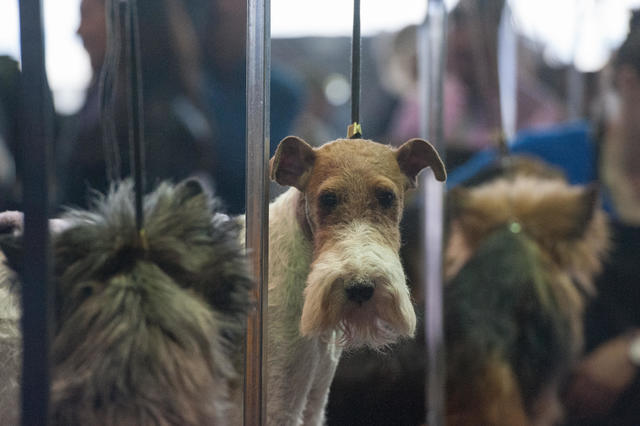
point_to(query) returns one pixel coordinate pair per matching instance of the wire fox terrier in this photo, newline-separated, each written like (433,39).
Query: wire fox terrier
(335,277)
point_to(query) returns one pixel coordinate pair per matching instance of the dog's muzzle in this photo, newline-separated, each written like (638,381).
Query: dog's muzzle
(357,285)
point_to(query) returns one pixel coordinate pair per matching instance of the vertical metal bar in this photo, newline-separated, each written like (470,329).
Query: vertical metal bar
(431,52)
(575,79)
(257,217)
(36,294)
(508,74)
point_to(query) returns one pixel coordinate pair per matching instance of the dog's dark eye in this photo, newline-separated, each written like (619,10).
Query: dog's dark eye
(328,200)
(385,198)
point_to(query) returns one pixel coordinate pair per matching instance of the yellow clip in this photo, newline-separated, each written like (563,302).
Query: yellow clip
(353,130)
(143,240)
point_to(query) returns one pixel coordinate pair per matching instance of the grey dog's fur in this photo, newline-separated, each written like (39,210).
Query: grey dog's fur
(10,347)
(146,331)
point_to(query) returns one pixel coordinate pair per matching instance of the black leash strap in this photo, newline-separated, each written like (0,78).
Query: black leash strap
(354,131)
(108,86)
(135,108)
(123,37)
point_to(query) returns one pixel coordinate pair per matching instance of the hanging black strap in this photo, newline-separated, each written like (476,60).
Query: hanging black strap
(135,109)
(354,131)
(122,21)
(108,86)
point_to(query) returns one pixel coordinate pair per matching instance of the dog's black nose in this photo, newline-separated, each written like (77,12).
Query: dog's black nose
(360,292)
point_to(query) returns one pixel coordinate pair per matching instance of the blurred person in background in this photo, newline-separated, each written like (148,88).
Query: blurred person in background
(313,124)
(472,60)
(606,386)
(221,29)
(178,138)
(471,110)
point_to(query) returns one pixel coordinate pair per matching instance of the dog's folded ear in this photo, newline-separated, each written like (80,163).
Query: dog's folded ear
(292,163)
(416,154)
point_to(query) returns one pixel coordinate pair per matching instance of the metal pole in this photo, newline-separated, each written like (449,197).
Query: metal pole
(431,53)
(507,74)
(575,79)
(36,294)
(257,217)
(135,106)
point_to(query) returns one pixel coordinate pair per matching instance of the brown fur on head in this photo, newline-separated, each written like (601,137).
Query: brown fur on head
(566,221)
(348,179)
(350,204)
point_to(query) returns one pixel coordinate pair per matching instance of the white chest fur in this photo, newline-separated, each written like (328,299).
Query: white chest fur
(300,368)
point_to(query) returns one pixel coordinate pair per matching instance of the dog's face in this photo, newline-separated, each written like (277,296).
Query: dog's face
(352,205)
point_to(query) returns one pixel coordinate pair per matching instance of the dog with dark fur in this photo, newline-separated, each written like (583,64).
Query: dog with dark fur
(521,256)
(147,323)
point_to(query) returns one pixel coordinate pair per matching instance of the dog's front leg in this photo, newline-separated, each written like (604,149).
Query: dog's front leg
(293,367)
(319,392)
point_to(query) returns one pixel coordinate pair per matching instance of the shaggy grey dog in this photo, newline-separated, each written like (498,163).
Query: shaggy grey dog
(146,327)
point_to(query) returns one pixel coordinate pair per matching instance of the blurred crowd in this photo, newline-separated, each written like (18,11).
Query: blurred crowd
(193,71)
(192,55)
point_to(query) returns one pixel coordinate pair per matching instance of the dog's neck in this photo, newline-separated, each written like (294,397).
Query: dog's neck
(290,245)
